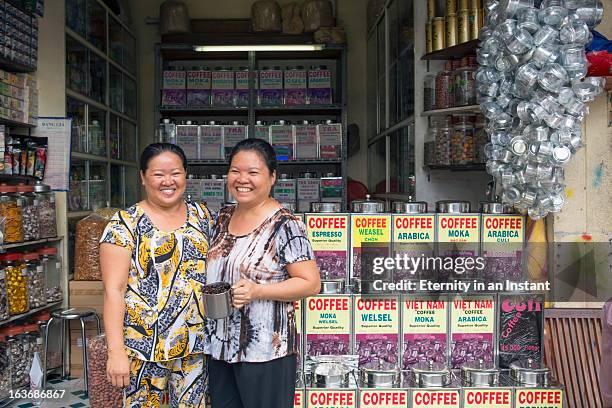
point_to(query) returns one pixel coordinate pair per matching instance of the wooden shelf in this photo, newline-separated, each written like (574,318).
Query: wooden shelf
(30,312)
(28,243)
(452,111)
(461,167)
(12,123)
(12,66)
(455,52)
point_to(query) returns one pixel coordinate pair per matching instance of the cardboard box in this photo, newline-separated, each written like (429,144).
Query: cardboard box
(87,294)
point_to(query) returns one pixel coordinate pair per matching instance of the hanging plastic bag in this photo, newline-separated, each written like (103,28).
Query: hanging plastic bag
(36,380)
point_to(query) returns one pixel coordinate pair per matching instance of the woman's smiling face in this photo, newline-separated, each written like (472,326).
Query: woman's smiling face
(249,179)
(164,179)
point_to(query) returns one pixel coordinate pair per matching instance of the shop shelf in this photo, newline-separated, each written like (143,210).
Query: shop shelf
(455,52)
(212,111)
(28,243)
(452,111)
(30,312)
(12,123)
(462,167)
(334,109)
(12,66)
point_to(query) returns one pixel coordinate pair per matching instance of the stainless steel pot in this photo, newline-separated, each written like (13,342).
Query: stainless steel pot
(530,372)
(330,375)
(321,207)
(430,374)
(368,206)
(479,374)
(453,207)
(412,207)
(218,302)
(332,286)
(379,374)
(288,206)
(487,207)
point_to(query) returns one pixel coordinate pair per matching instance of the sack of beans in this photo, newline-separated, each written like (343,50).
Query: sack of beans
(102,394)
(87,248)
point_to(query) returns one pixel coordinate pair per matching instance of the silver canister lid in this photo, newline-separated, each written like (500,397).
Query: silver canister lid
(412,207)
(329,174)
(487,207)
(332,286)
(453,207)
(479,374)
(288,206)
(379,374)
(368,206)
(430,374)
(308,175)
(530,372)
(330,375)
(561,154)
(323,207)
(39,187)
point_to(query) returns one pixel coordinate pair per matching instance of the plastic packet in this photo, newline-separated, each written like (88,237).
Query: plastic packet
(102,394)
(36,380)
(87,247)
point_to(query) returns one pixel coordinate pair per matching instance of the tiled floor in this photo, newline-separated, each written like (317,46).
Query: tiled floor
(74,397)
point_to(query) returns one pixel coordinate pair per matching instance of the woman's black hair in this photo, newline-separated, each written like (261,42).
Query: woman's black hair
(259,146)
(155,149)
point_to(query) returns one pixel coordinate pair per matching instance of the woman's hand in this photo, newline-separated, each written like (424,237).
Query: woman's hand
(118,368)
(245,292)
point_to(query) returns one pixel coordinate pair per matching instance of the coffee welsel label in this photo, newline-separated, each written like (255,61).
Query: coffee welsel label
(472,328)
(376,322)
(424,324)
(538,398)
(332,399)
(373,231)
(298,399)
(328,325)
(329,237)
(435,398)
(487,398)
(392,398)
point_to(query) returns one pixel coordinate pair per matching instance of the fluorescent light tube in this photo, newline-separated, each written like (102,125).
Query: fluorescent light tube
(288,47)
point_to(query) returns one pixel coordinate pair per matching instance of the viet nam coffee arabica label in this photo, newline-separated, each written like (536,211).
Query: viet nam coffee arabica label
(424,324)
(435,398)
(380,398)
(538,398)
(376,322)
(502,247)
(472,328)
(487,398)
(328,235)
(328,325)
(413,235)
(371,233)
(332,399)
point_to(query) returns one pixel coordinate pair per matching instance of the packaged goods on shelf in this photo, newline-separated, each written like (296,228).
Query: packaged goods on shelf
(10,211)
(296,85)
(319,86)
(188,138)
(213,192)
(4,307)
(193,188)
(211,141)
(308,186)
(282,140)
(198,87)
(52,267)
(328,233)
(232,135)
(19,34)
(223,86)
(285,189)
(36,280)
(307,139)
(166,132)
(331,188)
(271,86)
(330,140)
(174,88)
(262,130)
(243,94)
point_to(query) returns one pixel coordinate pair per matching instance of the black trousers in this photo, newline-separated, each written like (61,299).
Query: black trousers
(252,385)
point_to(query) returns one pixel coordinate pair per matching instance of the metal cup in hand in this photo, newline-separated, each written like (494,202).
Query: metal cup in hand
(218,300)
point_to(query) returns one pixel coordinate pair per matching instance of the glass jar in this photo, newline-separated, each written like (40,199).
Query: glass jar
(34,338)
(430,143)
(52,269)
(443,145)
(10,210)
(47,219)
(462,143)
(480,139)
(29,212)
(444,87)
(429,92)
(4,310)
(6,384)
(37,296)
(19,351)
(465,86)
(16,283)
(54,352)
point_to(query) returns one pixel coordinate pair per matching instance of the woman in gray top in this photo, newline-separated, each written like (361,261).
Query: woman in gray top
(262,250)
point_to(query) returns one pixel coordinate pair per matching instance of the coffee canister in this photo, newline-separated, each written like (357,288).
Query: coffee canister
(368,206)
(430,374)
(330,375)
(326,207)
(379,374)
(479,374)
(530,373)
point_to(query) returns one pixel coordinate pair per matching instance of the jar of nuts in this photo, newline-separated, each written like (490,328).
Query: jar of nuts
(29,212)
(462,143)
(5,366)
(47,220)
(54,352)
(16,283)
(4,311)
(36,280)
(52,268)
(19,351)
(10,210)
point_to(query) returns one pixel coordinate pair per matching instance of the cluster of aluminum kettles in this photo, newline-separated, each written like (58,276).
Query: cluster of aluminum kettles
(416,349)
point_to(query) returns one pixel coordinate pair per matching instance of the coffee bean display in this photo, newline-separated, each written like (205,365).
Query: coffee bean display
(102,394)
(217,288)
